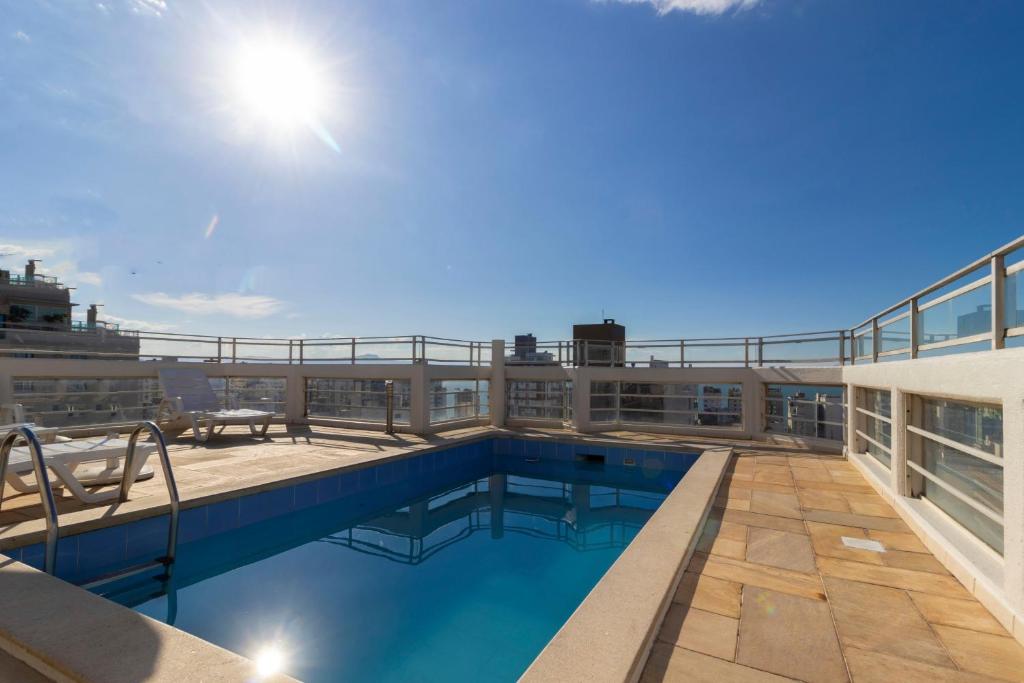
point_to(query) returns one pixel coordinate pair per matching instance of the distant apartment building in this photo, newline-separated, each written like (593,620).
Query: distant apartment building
(601,344)
(35,321)
(525,352)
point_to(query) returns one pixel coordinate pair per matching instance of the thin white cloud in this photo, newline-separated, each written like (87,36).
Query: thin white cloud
(58,261)
(696,6)
(80,276)
(235,305)
(154,7)
(22,36)
(134,324)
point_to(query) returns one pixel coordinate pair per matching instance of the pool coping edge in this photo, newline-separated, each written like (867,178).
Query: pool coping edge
(610,635)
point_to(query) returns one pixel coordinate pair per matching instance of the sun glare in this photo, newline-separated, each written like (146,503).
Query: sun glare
(269,661)
(278,83)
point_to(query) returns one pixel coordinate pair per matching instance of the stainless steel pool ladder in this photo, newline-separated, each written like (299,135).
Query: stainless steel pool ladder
(50,508)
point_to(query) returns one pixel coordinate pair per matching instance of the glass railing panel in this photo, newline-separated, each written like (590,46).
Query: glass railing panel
(816,411)
(82,402)
(965,315)
(363,400)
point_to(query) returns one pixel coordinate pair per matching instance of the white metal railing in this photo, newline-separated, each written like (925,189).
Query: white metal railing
(692,405)
(972,306)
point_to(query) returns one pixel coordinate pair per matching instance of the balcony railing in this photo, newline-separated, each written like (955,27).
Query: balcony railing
(980,306)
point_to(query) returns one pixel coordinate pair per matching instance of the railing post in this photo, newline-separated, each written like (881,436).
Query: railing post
(874,340)
(423,349)
(496,393)
(419,408)
(760,352)
(219,356)
(414,348)
(234,349)
(353,354)
(842,347)
(682,353)
(853,346)
(302,348)
(915,335)
(389,397)
(290,351)
(998,302)
(746,352)
(559,353)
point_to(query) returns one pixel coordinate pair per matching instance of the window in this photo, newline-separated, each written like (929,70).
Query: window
(363,400)
(817,411)
(956,460)
(874,424)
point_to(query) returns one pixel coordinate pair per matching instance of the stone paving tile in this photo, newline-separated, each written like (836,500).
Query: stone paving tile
(780,549)
(782,580)
(743,505)
(723,538)
(775,503)
(968,614)
(695,629)
(827,541)
(984,653)
(851,519)
(864,487)
(766,521)
(669,663)
(807,476)
(709,594)
(907,579)
(876,667)
(789,636)
(732,484)
(916,561)
(883,619)
(894,540)
(869,504)
(900,615)
(773,474)
(834,501)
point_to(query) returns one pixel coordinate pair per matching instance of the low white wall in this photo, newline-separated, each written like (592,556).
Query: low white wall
(995,377)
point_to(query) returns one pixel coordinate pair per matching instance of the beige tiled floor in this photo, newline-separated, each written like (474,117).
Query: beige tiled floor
(773,593)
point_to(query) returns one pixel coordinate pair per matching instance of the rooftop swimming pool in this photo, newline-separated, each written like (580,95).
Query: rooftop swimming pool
(458,564)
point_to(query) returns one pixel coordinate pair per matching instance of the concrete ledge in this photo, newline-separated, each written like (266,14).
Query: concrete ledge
(610,635)
(69,634)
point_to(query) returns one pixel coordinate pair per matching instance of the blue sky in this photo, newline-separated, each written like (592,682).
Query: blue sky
(477,169)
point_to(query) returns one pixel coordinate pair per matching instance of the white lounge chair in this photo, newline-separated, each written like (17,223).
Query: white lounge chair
(188,395)
(68,461)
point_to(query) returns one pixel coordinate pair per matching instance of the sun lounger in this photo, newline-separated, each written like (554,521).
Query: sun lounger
(188,395)
(81,463)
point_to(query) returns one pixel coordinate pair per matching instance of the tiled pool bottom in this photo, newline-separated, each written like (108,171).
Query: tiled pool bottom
(452,565)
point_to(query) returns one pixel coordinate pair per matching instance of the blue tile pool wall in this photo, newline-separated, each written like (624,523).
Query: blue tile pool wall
(85,556)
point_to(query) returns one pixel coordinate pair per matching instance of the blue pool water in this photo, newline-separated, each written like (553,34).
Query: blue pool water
(450,566)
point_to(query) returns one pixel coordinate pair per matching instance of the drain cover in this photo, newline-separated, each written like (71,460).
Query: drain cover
(863,544)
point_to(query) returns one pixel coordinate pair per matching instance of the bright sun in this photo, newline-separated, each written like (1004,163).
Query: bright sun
(278,83)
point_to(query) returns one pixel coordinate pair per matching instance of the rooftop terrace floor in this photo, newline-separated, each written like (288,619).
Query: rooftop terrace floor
(772,592)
